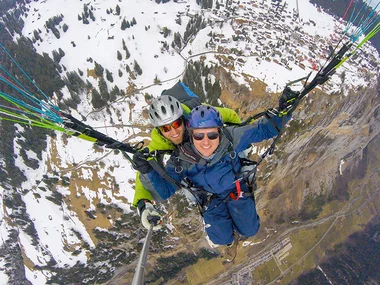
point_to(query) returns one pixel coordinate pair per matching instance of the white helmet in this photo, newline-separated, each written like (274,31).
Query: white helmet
(164,110)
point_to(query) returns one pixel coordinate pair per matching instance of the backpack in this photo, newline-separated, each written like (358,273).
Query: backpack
(183,94)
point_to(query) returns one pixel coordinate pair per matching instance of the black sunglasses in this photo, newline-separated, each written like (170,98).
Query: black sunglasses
(211,136)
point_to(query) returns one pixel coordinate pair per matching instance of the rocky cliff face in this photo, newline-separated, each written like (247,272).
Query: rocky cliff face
(323,151)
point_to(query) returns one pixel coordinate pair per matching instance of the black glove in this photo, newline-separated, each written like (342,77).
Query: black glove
(140,162)
(287,98)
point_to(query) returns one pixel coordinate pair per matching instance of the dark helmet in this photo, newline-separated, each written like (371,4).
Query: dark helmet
(203,117)
(164,110)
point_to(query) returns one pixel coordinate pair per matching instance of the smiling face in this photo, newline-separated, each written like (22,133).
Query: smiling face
(206,146)
(175,135)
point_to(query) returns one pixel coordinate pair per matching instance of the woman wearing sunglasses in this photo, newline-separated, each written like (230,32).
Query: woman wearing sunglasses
(210,160)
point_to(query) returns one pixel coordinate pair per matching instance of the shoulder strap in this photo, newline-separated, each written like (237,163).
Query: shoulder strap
(250,165)
(228,135)
(159,168)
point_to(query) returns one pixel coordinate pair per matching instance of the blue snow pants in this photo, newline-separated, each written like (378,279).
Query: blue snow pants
(229,216)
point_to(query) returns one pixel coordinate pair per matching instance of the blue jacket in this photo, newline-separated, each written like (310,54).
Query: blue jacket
(217,175)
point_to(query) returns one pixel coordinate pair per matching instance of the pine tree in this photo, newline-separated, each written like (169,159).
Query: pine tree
(120,73)
(56,56)
(109,76)
(114,93)
(119,56)
(205,70)
(88,84)
(92,15)
(75,84)
(124,25)
(166,31)
(216,91)
(134,21)
(179,20)
(177,40)
(85,8)
(84,20)
(98,69)
(65,27)
(103,89)
(117,10)
(36,35)
(137,68)
(208,85)
(127,54)
(61,52)
(97,100)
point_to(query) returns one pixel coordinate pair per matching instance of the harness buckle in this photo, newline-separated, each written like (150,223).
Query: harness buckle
(178,169)
(239,192)
(153,153)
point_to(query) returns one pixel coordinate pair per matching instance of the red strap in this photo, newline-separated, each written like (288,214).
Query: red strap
(233,197)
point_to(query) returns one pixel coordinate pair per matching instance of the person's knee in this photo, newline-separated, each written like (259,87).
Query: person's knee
(255,228)
(251,228)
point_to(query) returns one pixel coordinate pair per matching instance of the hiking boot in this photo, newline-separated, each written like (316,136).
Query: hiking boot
(231,250)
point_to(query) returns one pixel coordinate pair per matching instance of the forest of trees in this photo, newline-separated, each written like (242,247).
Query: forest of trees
(193,78)
(194,26)
(52,23)
(127,24)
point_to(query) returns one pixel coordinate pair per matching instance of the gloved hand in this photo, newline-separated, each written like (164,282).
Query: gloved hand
(287,98)
(149,215)
(140,162)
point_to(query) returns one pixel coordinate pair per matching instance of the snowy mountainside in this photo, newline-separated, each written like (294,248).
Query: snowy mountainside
(80,192)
